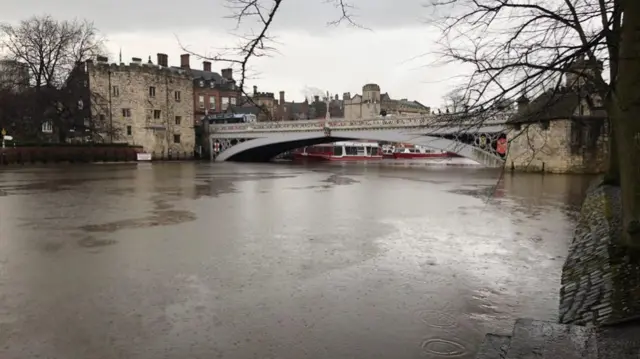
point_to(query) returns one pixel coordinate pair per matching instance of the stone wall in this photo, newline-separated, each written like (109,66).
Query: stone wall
(173,98)
(600,282)
(557,147)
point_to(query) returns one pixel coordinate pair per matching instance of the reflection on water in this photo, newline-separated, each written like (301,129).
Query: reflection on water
(185,260)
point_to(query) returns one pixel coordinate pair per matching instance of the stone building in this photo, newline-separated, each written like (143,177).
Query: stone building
(372,104)
(266,102)
(561,131)
(145,104)
(212,93)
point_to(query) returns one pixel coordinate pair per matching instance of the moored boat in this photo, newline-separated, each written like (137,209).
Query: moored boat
(340,151)
(418,152)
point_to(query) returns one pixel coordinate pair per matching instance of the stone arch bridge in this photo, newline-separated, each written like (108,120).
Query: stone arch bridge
(261,141)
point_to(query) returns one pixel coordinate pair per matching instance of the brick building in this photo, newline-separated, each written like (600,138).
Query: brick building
(212,93)
(146,104)
(291,111)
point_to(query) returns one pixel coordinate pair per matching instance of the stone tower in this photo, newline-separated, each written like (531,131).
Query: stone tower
(370,106)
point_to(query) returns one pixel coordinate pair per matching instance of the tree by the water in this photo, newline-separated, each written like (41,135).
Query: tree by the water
(50,49)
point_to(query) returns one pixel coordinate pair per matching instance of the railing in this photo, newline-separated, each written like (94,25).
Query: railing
(433,121)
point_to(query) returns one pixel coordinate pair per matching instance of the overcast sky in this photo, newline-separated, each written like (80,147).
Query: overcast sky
(312,55)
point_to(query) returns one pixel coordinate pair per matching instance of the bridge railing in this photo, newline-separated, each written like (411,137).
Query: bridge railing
(432,121)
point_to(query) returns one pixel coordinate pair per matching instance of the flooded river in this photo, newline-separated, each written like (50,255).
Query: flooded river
(187,260)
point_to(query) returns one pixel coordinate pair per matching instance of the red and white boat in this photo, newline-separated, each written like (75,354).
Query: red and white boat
(417,152)
(340,151)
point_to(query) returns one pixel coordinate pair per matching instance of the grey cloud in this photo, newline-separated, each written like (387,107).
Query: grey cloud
(147,15)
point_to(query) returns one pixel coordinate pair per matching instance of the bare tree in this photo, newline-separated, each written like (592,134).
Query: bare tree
(518,47)
(50,49)
(454,101)
(257,42)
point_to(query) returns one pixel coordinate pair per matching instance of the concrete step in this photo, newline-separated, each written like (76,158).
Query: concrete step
(494,347)
(546,340)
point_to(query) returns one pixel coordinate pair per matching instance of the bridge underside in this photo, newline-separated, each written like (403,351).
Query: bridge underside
(268,152)
(264,147)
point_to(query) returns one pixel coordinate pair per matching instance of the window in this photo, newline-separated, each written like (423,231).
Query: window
(47,127)
(178,120)
(201,101)
(115,91)
(233,101)
(212,102)
(225,103)
(201,83)
(80,105)
(152,91)
(87,122)
(86,83)
(544,125)
(177,95)
(212,84)
(126,112)
(176,138)
(156,114)
(128,130)
(103,118)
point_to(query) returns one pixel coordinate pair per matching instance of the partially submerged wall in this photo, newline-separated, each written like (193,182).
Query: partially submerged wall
(600,282)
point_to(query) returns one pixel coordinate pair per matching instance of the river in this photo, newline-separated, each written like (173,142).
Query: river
(200,260)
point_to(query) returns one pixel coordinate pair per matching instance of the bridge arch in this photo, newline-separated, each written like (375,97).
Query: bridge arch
(266,146)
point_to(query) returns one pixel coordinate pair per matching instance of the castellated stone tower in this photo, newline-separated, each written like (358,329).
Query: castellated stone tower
(370,101)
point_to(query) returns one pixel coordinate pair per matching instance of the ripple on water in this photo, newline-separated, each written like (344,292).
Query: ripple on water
(438,319)
(443,348)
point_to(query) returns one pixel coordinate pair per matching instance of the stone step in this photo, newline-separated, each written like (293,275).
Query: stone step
(546,340)
(494,347)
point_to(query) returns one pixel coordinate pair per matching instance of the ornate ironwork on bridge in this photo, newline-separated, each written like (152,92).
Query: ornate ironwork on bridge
(484,141)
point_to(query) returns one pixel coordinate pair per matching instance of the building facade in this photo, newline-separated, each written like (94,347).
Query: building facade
(212,93)
(372,104)
(561,131)
(144,104)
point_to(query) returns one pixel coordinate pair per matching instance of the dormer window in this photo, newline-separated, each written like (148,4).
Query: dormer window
(212,83)
(201,83)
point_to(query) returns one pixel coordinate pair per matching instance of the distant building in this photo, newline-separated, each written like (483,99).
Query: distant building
(145,104)
(292,111)
(371,104)
(14,75)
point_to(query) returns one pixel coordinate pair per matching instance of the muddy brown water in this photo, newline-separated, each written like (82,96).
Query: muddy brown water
(187,260)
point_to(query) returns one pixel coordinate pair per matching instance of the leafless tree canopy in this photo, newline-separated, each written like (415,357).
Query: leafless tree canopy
(49,49)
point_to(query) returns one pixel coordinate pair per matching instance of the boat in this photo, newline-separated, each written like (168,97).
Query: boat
(418,152)
(387,151)
(340,151)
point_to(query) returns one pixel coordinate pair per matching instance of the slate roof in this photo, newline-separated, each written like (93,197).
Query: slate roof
(553,105)
(200,74)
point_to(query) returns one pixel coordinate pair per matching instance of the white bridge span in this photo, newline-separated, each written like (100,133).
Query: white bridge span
(264,140)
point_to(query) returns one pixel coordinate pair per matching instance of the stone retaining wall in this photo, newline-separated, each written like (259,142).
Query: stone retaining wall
(600,284)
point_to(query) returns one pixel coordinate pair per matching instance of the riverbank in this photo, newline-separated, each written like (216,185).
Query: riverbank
(600,282)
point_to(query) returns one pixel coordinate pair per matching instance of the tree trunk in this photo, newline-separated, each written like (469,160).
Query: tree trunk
(626,121)
(612,176)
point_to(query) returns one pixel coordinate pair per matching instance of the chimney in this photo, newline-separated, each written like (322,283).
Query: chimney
(136,61)
(316,98)
(255,89)
(346,96)
(282,97)
(102,58)
(163,60)
(206,66)
(184,61)
(523,103)
(227,74)
(337,98)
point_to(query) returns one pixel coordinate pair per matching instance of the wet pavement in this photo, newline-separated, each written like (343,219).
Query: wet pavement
(186,260)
